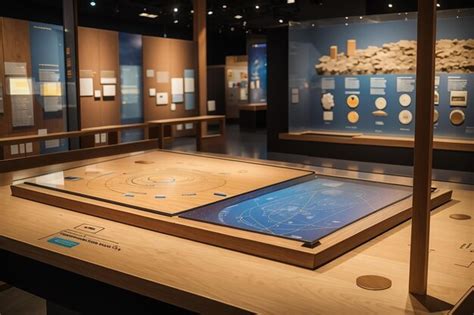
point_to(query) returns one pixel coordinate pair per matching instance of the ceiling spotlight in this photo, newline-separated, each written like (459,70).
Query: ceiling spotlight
(238,16)
(280,21)
(390,5)
(175,9)
(210,13)
(92,3)
(224,6)
(175,21)
(257,7)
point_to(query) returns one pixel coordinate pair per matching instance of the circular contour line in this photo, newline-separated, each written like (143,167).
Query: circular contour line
(405,117)
(380,103)
(405,100)
(460,216)
(353,117)
(373,282)
(457,117)
(352,101)
(435,116)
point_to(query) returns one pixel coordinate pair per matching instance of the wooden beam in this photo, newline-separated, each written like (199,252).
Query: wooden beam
(425,73)
(200,37)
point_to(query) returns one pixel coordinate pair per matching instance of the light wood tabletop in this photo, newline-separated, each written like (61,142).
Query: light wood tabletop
(205,278)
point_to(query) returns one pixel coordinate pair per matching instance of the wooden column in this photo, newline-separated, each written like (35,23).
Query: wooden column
(200,37)
(425,73)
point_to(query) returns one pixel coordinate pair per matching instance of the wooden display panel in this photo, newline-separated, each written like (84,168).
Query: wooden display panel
(284,250)
(99,51)
(172,56)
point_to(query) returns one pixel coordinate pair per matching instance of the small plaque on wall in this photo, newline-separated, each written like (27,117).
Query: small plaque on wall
(162,98)
(108,90)
(86,87)
(211,105)
(22,110)
(15,68)
(150,73)
(162,77)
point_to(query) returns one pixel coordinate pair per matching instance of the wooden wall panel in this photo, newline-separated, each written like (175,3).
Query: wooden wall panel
(16,48)
(4,121)
(173,56)
(99,51)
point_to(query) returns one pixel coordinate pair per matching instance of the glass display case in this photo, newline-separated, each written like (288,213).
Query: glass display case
(357,75)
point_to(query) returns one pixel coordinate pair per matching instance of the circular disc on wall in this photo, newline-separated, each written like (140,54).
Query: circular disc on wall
(457,117)
(405,117)
(381,103)
(353,117)
(352,101)
(435,116)
(405,100)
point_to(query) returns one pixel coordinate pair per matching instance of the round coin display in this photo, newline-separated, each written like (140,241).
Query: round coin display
(435,116)
(381,103)
(353,117)
(352,101)
(405,117)
(405,100)
(457,117)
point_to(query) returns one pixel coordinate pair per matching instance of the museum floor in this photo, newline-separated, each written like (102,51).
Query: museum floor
(253,145)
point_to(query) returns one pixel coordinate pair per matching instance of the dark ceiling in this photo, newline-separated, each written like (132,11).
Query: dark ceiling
(226,34)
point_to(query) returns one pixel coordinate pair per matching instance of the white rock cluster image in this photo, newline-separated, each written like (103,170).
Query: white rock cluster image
(452,56)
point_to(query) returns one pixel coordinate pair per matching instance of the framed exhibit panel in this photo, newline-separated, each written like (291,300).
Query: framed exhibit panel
(32,79)
(236,85)
(131,83)
(257,64)
(355,77)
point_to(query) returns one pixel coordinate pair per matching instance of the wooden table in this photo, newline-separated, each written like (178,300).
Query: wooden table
(196,120)
(209,279)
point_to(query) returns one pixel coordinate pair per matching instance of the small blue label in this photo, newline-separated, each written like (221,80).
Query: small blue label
(62,242)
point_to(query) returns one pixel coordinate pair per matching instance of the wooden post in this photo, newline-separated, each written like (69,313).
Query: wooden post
(200,37)
(425,73)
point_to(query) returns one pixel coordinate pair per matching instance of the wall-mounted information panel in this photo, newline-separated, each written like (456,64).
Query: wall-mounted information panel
(257,55)
(357,75)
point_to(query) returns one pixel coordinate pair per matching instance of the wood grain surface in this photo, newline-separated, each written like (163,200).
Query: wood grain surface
(210,279)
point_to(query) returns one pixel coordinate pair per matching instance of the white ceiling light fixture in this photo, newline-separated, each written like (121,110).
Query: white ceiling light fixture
(148,15)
